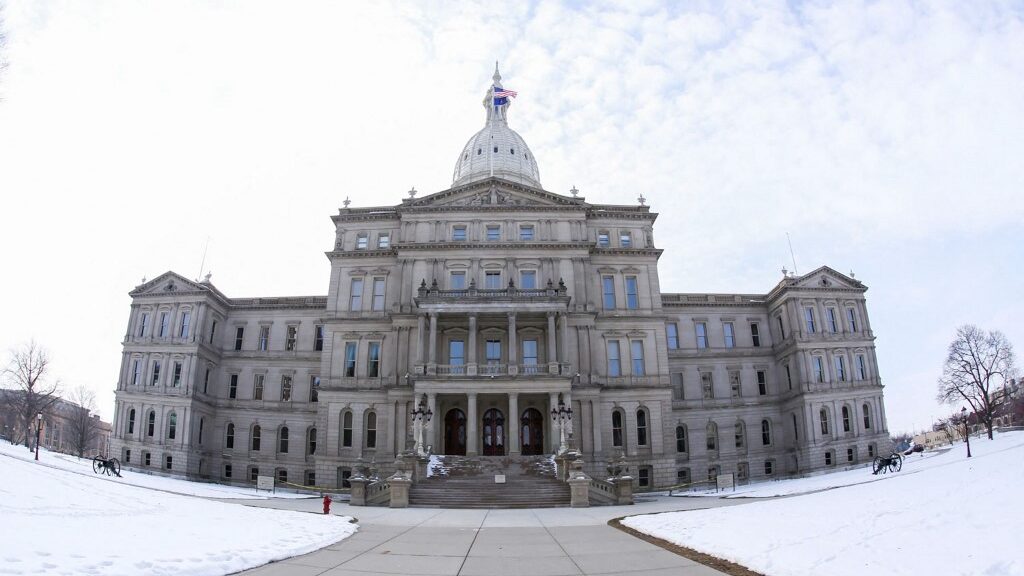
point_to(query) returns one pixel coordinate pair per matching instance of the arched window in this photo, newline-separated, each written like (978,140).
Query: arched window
(682,443)
(867,416)
(796,430)
(150,423)
(846,419)
(741,434)
(371,429)
(256,438)
(201,422)
(282,440)
(617,439)
(229,440)
(766,433)
(823,416)
(172,425)
(346,429)
(712,436)
(641,427)
(131,421)
(311,441)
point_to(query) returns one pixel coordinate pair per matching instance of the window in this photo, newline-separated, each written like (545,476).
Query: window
(846,419)
(201,422)
(849,455)
(264,343)
(493,233)
(136,372)
(712,474)
(632,298)
(625,240)
(672,330)
(789,377)
(782,328)
(310,478)
(617,428)
(156,372)
(796,429)
(186,318)
(282,475)
(459,233)
(740,433)
(866,412)
(165,324)
(291,333)
(229,438)
(343,476)
(176,380)
(362,241)
(683,476)
(641,427)
(350,359)
(311,441)
(286,388)
(851,319)
(769,467)
(346,429)
(823,416)
(734,383)
(678,390)
(457,281)
(213,330)
(755,334)
(614,362)
(712,436)
(383,241)
(636,352)
(356,295)
(144,324)
(809,319)
(282,440)
(730,336)
(819,369)
(227,471)
(830,318)
(131,421)
(373,360)
(314,388)
(862,368)
(644,477)
(318,337)
(371,429)
(492,280)
(766,433)
(254,473)
(172,426)
(168,462)
(378,294)
(707,385)
(528,279)
(255,445)
(526,232)
(682,444)
(150,423)
(608,292)
(257,386)
(840,363)
(146,458)
(702,334)
(127,456)
(828,458)
(492,351)
(530,355)
(206,381)
(742,471)
(871,450)
(456,355)
(239,333)
(762,383)
(602,239)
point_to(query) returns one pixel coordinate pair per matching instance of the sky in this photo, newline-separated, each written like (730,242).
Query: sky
(884,137)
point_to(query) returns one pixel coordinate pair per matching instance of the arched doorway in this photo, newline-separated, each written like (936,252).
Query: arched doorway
(531,432)
(455,432)
(494,433)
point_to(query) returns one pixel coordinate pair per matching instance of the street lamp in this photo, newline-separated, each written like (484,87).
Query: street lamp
(967,430)
(39,428)
(420,418)
(561,416)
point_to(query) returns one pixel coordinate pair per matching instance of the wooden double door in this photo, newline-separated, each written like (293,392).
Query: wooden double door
(492,440)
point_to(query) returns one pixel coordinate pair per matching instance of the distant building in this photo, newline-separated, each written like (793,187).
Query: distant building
(58,431)
(491,303)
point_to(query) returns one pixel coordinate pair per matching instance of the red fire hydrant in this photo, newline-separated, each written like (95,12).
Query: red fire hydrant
(327,503)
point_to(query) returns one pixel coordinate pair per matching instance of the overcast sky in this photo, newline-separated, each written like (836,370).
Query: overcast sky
(886,138)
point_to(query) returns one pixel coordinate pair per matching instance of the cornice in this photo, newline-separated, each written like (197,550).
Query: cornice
(531,244)
(387,253)
(594,250)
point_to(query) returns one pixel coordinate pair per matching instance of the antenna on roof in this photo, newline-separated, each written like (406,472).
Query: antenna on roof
(792,257)
(202,264)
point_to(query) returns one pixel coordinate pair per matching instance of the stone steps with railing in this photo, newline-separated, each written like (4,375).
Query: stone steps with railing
(469,482)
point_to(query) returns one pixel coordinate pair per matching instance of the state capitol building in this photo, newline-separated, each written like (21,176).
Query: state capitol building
(490,304)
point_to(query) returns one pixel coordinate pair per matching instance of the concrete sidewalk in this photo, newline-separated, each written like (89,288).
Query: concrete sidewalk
(536,542)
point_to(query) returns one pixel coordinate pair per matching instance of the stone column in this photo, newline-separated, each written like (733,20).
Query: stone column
(472,433)
(431,436)
(513,359)
(563,349)
(550,337)
(432,344)
(421,328)
(512,424)
(471,368)
(595,427)
(553,435)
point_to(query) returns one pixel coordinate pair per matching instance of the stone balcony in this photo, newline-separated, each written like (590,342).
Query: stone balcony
(454,371)
(552,298)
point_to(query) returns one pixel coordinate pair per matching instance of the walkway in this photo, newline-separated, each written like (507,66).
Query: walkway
(537,542)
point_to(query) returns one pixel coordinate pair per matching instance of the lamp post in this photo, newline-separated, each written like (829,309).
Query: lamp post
(420,418)
(561,416)
(967,430)
(39,428)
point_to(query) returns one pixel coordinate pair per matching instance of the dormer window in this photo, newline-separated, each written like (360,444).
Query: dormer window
(459,233)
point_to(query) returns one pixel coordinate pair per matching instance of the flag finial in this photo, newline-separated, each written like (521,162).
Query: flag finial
(497,75)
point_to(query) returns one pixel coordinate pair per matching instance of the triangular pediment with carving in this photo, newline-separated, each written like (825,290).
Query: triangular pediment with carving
(493,193)
(166,284)
(827,278)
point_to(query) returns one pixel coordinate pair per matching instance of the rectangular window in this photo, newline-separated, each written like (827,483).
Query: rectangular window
(186,318)
(318,337)
(168,462)
(851,319)
(233,387)
(530,352)
(828,458)
(636,353)
(819,369)
(165,324)
(830,317)
(849,454)
(632,298)
(383,241)
(213,331)
(254,473)
(456,354)
(707,385)
(769,468)
(526,232)
(373,360)
(378,294)
(457,281)
(492,351)
(146,458)
(730,335)
(702,334)
(755,334)
(144,324)
(290,337)
(286,388)
(678,389)
(625,240)
(672,330)
(350,359)
(782,328)
(644,478)
(156,372)
(264,343)
(227,471)
(734,383)
(362,241)
(789,377)
(314,390)
(614,362)
(840,363)
(809,319)
(459,233)
(528,279)
(602,239)
(492,280)
(862,368)
(136,372)
(206,382)
(257,386)
(239,333)
(356,295)
(762,383)
(742,471)
(608,292)
(176,381)
(493,233)
(683,476)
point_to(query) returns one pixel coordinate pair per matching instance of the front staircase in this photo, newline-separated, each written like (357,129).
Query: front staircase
(468,482)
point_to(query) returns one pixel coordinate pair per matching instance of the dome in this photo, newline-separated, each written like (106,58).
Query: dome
(496,150)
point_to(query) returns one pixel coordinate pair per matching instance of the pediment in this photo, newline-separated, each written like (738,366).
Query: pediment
(166,284)
(494,193)
(827,278)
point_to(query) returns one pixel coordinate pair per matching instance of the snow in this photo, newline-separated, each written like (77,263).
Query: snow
(61,522)
(436,466)
(942,514)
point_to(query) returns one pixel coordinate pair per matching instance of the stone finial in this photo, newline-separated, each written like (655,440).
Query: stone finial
(412,192)
(785,273)
(574,191)
(346,202)
(641,199)
(206,279)
(852,275)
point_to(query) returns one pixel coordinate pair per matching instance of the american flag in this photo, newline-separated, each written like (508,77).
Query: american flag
(503,93)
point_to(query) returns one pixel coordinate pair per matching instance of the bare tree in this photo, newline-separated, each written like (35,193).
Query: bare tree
(28,372)
(977,366)
(83,426)
(947,427)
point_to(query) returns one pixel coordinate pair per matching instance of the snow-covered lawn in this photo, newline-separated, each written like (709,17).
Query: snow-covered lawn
(943,514)
(61,522)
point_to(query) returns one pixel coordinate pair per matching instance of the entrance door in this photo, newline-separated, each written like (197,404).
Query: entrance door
(494,433)
(455,432)
(531,432)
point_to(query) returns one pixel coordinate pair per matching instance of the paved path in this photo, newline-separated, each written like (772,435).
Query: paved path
(537,542)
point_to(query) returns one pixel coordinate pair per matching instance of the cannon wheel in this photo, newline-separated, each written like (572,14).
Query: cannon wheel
(97,464)
(896,463)
(114,465)
(877,465)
